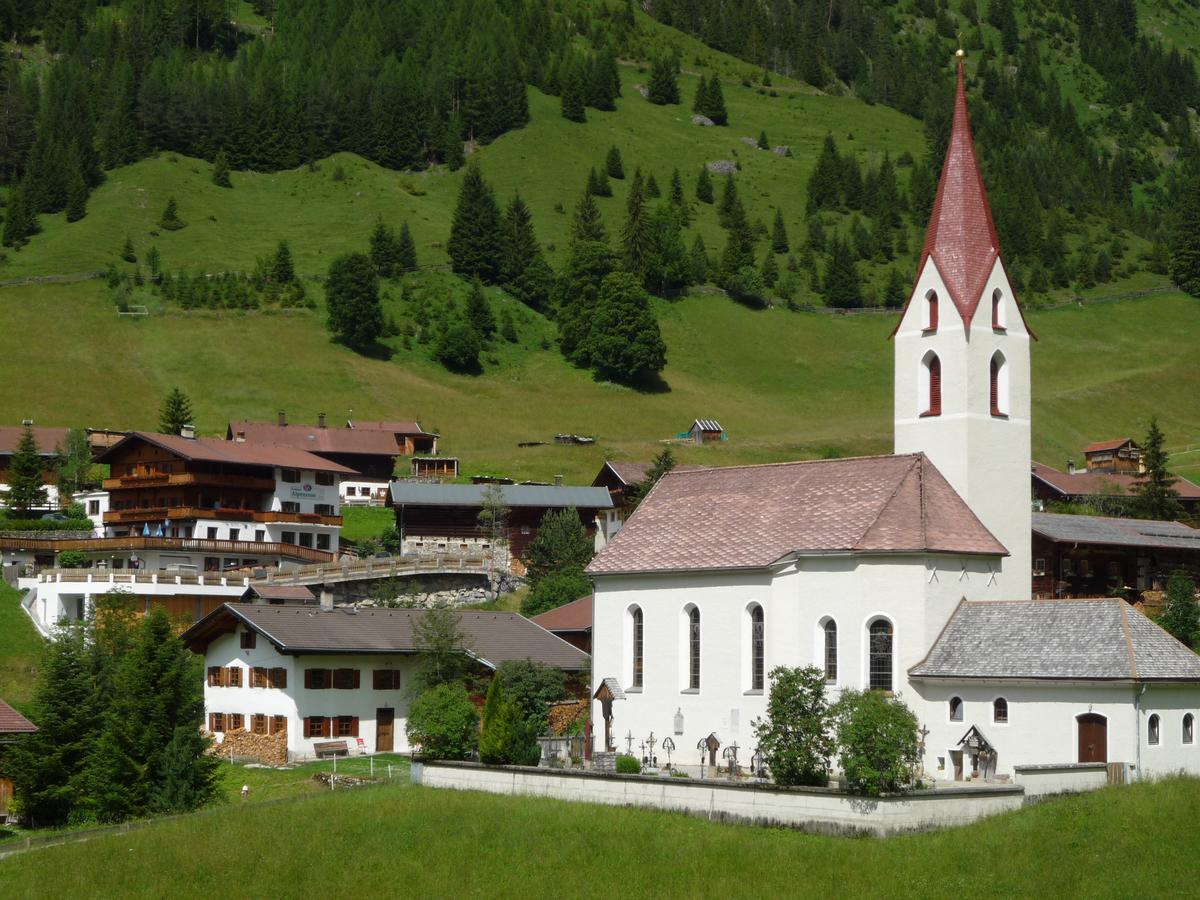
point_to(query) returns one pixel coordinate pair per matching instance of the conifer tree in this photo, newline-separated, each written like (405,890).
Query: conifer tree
(613,164)
(896,291)
(406,250)
(476,243)
(652,189)
(170,220)
(458,348)
(574,94)
(704,188)
(763,143)
(283,271)
(1181,613)
(520,245)
(77,196)
(779,237)
(699,257)
(671,267)
(26,484)
(20,220)
(729,199)
(220,172)
(701,99)
(384,250)
(176,412)
(625,343)
(770,270)
(1156,495)
(739,243)
(452,144)
(663,86)
(598,184)
(575,296)
(678,200)
(604,83)
(1185,241)
(637,236)
(352,296)
(841,285)
(587,224)
(508,328)
(825,183)
(128,254)
(816,234)
(714,102)
(479,313)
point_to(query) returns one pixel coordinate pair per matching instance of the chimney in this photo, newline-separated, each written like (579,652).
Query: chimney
(282,418)
(326,596)
(240,437)
(1070,467)
(188,431)
(558,481)
(320,420)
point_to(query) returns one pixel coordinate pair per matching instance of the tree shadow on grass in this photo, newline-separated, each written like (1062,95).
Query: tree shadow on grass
(652,383)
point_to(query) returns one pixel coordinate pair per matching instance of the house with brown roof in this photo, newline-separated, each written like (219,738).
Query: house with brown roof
(572,622)
(310,675)
(48,441)
(12,726)
(1119,455)
(370,449)
(908,574)
(1109,491)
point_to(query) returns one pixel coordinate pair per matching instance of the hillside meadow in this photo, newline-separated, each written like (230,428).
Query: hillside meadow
(1117,842)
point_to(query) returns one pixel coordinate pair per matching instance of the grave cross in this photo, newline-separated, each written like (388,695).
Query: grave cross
(629,743)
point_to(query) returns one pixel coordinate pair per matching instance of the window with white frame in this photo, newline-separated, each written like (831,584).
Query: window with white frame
(1152,729)
(879,659)
(757,648)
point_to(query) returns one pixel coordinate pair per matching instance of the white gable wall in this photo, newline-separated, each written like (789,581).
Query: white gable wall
(985,458)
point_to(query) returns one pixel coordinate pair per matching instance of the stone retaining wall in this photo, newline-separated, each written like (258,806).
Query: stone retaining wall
(810,809)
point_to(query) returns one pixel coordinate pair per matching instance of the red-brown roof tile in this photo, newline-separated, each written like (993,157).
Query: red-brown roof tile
(12,722)
(234,452)
(47,439)
(1107,445)
(754,516)
(313,439)
(574,616)
(1084,484)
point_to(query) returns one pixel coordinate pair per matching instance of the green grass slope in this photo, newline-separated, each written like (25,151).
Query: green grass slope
(20,650)
(424,842)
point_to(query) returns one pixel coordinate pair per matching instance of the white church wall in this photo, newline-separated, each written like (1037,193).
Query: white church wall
(1172,753)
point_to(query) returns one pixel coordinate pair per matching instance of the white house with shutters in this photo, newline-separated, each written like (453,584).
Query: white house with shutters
(908,573)
(342,674)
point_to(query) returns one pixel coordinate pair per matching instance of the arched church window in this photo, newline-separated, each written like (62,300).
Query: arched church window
(1000,711)
(931,385)
(956,709)
(1189,728)
(831,651)
(879,661)
(1152,729)
(999,385)
(931,311)
(638,625)
(757,648)
(998,318)
(693,647)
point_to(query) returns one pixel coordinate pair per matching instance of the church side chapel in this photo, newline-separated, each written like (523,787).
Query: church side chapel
(908,573)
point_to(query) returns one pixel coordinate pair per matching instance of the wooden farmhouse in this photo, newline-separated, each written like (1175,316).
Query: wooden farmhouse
(1051,485)
(47,439)
(441,519)
(1120,455)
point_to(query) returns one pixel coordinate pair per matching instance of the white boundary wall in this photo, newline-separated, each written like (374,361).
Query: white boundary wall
(810,809)
(1042,781)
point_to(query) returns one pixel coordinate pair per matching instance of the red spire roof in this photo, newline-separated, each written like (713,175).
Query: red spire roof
(961,237)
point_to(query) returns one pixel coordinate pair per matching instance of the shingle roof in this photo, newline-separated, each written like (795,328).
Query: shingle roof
(366,442)
(754,516)
(233,452)
(1115,532)
(1086,484)
(1107,445)
(494,637)
(574,616)
(628,472)
(12,722)
(47,439)
(293,593)
(1104,639)
(531,495)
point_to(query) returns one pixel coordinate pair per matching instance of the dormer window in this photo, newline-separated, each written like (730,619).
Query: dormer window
(931,385)
(998,317)
(931,313)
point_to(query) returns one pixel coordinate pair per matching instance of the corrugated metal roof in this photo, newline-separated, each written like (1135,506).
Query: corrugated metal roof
(754,516)
(492,637)
(530,495)
(707,425)
(1115,532)
(1103,639)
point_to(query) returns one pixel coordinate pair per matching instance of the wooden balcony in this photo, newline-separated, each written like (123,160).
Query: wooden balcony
(195,545)
(191,513)
(184,479)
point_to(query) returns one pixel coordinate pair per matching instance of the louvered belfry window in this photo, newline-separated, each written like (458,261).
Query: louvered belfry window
(935,386)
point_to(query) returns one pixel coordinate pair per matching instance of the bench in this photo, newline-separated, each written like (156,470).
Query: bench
(331,748)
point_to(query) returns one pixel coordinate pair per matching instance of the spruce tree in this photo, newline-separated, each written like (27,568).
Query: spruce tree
(598,184)
(587,224)
(779,236)
(384,250)
(520,246)
(613,164)
(20,219)
(663,86)
(739,243)
(176,411)
(283,271)
(1157,497)
(699,256)
(352,297)
(770,270)
(1185,241)
(170,220)
(26,483)
(574,95)
(704,188)
(561,545)
(458,349)
(625,343)
(842,288)
(220,172)
(508,328)
(476,243)
(763,143)
(896,291)
(678,200)
(406,250)
(825,182)
(452,144)
(637,234)
(714,102)
(77,197)
(700,101)
(479,313)
(128,254)
(729,199)
(652,189)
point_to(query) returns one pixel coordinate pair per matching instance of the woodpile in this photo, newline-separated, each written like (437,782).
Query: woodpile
(268,749)
(564,715)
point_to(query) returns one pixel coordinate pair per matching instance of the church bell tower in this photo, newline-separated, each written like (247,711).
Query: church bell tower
(962,383)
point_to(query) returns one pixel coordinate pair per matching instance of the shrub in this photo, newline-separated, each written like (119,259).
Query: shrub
(444,723)
(628,765)
(554,590)
(877,741)
(796,735)
(71,559)
(46,525)
(507,738)
(532,686)
(746,286)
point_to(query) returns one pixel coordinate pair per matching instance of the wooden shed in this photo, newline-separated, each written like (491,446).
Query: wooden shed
(707,431)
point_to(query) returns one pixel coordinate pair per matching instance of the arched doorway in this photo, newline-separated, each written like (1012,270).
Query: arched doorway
(1093,738)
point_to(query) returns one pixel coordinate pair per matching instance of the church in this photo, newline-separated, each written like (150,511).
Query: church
(909,573)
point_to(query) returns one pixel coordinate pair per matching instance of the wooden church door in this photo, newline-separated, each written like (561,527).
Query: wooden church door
(1093,738)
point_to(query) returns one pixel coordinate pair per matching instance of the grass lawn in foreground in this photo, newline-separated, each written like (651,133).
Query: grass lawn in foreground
(20,651)
(416,842)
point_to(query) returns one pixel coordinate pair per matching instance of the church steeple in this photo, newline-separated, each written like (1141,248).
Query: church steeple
(961,238)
